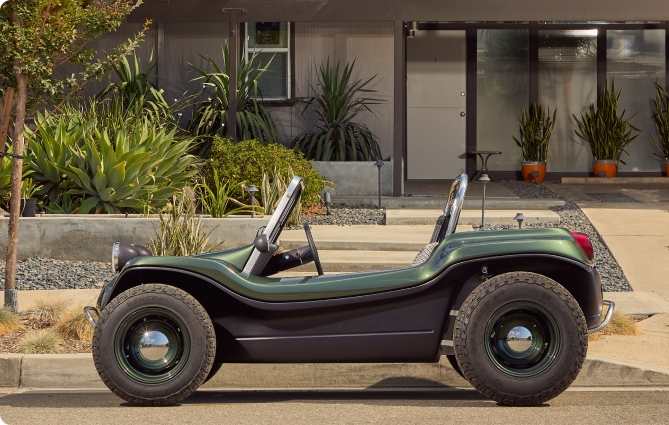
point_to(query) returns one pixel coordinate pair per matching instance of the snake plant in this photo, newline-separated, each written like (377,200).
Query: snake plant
(536,127)
(606,132)
(661,117)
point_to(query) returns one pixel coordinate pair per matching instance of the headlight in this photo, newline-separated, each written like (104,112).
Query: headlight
(123,252)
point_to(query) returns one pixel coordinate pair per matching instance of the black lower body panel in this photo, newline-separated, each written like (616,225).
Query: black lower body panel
(407,328)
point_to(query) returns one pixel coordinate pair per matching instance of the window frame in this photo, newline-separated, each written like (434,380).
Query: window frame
(289,60)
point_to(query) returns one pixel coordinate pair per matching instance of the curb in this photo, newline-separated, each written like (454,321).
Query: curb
(67,371)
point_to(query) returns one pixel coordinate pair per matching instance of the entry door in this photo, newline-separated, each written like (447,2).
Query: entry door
(436,100)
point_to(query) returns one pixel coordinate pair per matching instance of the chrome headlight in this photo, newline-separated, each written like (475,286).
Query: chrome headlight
(123,252)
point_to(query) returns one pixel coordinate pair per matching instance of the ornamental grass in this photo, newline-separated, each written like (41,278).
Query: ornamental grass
(40,342)
(620,324)
(9,322)
(47,312)
(75,325)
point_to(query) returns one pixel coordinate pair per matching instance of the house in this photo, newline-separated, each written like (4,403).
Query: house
(455,75)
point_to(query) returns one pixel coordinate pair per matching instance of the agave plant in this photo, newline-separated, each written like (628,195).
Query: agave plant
(337,137)
(128,170)
(661,117)
(603,130)
(210,116)
(181,232)
(536,128)
(216,202)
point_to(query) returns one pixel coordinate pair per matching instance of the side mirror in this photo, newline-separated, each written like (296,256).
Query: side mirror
(261,243)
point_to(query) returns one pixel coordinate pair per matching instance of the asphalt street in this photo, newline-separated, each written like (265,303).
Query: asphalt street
(458,406)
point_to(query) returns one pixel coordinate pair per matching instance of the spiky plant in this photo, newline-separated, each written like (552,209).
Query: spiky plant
(75,325)
(9,321)
(536,127)
(661,118)
(210,117)
(338,101)
(40,342)
(272,189)
(181,232)
(46,312)
(216,202)
(607,133)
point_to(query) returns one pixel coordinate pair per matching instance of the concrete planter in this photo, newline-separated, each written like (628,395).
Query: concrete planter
(357,178)
(90,237)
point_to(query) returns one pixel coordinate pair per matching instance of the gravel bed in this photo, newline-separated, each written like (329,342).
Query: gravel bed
(525,190)
(573,219)
(43,273)
(346,215)
(612,197)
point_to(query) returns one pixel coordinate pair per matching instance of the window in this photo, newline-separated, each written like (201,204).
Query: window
(271,42)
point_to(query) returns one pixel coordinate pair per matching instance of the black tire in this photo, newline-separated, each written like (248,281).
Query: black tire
(166,320)
(454,363)
(491,323)
(214,370)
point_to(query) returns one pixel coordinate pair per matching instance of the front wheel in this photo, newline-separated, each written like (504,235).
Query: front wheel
(520,338)
(154,345)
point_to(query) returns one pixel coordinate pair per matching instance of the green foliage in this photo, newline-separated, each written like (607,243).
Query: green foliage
(337,137)
(606,133)
(661,117)
(216,201)
(246,162)
(181,231)
(46,34)
(6,174)
(108,160)
(134,88)
(210,117)
(28,188)
(536,128)
(272,191)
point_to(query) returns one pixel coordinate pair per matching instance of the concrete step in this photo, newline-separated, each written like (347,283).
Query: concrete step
(359,261)
(369,238)
(469,217)
(615,180)
(435,202)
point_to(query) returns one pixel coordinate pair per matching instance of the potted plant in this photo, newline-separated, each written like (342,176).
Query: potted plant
(606,133)
(28,203)
(661,117)
(536,127)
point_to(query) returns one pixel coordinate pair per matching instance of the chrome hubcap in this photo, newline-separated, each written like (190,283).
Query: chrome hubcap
(154,345)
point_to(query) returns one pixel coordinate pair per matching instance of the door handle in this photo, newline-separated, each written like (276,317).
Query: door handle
(462,114)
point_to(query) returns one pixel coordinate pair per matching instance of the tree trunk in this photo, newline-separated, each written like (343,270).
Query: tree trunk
(11,299)
(4,120)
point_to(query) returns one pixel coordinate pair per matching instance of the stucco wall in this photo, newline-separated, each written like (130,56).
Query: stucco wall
(370,44)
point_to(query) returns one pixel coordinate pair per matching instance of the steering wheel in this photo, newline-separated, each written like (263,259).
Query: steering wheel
(314,251)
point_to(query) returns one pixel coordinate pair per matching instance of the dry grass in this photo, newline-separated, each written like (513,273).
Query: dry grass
(75,325)
(620,324)
(9,322)
(46,311)
(40,342)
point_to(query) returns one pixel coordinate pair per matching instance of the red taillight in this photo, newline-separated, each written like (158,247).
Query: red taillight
(583,241)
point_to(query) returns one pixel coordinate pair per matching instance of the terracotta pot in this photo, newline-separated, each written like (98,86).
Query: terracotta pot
(528,166)
(608,166)
(666,168)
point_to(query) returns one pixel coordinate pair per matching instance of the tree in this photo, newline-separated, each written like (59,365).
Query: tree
(37,36)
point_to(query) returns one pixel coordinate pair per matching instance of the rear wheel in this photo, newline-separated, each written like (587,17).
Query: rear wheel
(154,345)
(520,338)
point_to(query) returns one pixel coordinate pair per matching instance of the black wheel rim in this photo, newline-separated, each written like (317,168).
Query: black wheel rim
(522,339)
(152,345)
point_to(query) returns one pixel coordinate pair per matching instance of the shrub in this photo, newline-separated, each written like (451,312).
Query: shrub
(246,162)
(181,231)
(271,192)
(75,325)
(40,342)
(46,312)
(8,321)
